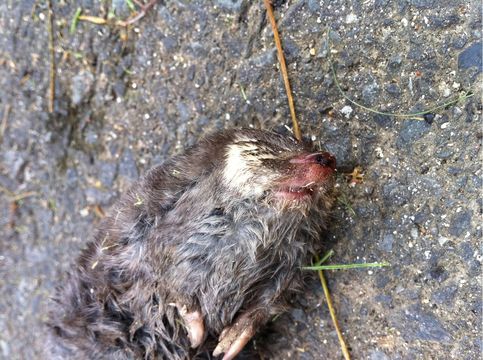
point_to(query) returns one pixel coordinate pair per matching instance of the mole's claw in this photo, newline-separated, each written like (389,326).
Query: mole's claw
(194,325)
(234,338)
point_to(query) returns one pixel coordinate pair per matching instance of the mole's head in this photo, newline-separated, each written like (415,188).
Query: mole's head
(261,164)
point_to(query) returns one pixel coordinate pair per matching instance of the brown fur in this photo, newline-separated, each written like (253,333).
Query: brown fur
(185,234)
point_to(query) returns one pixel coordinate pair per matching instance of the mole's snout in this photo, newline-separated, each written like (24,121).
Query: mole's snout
(325,159)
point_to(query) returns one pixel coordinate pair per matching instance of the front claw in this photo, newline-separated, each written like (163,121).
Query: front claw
(234,338)
(194,325)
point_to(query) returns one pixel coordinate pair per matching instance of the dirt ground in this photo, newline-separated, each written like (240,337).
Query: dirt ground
(126,100)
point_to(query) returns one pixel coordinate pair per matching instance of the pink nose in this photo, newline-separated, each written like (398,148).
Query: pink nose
(324,159)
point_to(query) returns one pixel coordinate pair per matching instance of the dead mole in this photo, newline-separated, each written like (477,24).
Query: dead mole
(208,245)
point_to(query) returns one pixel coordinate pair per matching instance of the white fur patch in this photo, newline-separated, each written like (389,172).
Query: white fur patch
(238,172)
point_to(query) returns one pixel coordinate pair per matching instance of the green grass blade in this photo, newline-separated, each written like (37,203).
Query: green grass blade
(412,116)
(75,20)
(345,266)
(326,257)
(130,5)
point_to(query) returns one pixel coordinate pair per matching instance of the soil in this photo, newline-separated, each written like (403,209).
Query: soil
(126,99)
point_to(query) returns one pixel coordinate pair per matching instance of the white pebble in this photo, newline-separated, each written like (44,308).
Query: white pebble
(347,111)
(351,18)
(442,240)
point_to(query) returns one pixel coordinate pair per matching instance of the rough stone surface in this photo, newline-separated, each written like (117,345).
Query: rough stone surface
(81,87)
(471,57)
(128,99)
(416,324)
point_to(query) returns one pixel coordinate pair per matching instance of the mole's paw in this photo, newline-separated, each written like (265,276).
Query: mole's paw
(235,337)
(194,325)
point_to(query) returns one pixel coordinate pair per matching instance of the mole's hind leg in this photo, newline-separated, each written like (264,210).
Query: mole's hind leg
(236,336)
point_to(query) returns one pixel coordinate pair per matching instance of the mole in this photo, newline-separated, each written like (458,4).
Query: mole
(198,254)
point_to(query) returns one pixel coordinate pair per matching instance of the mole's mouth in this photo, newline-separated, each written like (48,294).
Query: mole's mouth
(297,192)
(308,175)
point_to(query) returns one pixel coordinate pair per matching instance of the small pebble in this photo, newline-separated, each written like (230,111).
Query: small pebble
(347,111)
(351,18)
(442,240)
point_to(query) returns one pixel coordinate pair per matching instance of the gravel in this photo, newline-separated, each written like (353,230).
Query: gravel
(127,100)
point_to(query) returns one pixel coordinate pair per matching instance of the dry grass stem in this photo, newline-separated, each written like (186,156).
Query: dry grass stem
(342,342)
(283,69)
(50,30)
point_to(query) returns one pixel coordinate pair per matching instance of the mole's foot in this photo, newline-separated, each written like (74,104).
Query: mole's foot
(233,338)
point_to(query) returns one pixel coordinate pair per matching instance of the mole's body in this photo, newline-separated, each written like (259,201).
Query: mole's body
(208,245)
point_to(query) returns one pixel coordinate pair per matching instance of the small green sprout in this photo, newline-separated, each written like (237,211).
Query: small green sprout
(75,20)
(346,204)
(130,5)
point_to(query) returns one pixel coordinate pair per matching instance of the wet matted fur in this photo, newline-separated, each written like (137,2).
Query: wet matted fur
(205,230)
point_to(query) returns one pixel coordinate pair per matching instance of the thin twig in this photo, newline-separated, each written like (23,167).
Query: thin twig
(13,197)
(50,29)
(283,69)
(139,15)
(298,136)
(92,19)
(342,342)
(138,3)
(3,125)
(24,195)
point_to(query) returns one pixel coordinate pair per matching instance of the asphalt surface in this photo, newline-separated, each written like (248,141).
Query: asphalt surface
(126,100)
